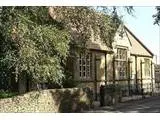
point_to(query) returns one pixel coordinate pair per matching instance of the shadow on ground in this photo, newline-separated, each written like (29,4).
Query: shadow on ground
(147,105)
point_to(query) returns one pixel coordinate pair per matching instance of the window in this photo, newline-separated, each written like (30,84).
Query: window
(147,67)
(85,66)
(121,54)
(121,63)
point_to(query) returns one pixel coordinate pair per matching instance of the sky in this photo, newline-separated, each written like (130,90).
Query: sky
(141,24)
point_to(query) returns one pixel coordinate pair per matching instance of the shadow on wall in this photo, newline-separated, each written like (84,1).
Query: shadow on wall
(72,101)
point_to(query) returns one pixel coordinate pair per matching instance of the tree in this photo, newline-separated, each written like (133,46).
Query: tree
(33,44)
(157,16)
(37,41)
(83,21)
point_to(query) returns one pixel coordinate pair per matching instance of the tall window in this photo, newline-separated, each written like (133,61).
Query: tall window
(85,66)
(147,67)
(121,63)
(121,54)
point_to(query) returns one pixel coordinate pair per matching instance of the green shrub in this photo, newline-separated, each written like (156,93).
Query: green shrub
(113,94)
(113,89)
(6,94)
(68,81)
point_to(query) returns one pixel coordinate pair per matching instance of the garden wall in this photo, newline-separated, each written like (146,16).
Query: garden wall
(52,100)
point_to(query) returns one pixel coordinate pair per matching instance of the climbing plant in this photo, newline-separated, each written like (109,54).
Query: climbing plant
(36,41)
(82,22)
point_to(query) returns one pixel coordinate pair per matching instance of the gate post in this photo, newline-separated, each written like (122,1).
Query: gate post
(102,95)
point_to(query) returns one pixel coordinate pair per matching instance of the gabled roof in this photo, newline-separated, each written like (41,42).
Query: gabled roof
(134,46)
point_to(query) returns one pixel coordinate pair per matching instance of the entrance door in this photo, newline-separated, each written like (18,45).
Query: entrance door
(99,71)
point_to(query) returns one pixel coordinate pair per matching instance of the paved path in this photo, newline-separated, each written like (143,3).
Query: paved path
(147,105)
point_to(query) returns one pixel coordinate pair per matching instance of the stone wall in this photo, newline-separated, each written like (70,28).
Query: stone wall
(52,100)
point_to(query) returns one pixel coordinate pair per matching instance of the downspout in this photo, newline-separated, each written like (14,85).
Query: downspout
(142,90)
(105,69)
(129,76)
(141,76)
(152,77)
(95,82)
(136,73)
(113,63)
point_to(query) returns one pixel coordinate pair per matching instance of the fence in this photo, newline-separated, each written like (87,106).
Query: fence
(138,89)
(114,93)
(157,88)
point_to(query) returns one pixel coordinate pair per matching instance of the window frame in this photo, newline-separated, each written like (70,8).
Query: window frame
(121,63)
(147,67)
(85,66)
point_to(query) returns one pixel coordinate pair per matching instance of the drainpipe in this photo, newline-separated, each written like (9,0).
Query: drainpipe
(136,74)
(129,73)
(142,90)
(113,63)
(95,82)
(105,69)
(152,77)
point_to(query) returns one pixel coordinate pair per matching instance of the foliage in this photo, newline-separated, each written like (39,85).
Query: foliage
(83,22)
(37,40)
(33,43)
(113,89)
(157,16)
(113,93)
(68,81)
(6,94)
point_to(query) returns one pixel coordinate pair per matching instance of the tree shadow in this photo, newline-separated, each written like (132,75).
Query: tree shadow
(71,100)
(149,105)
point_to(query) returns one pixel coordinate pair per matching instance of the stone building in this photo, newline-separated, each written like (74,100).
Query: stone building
(128,63)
